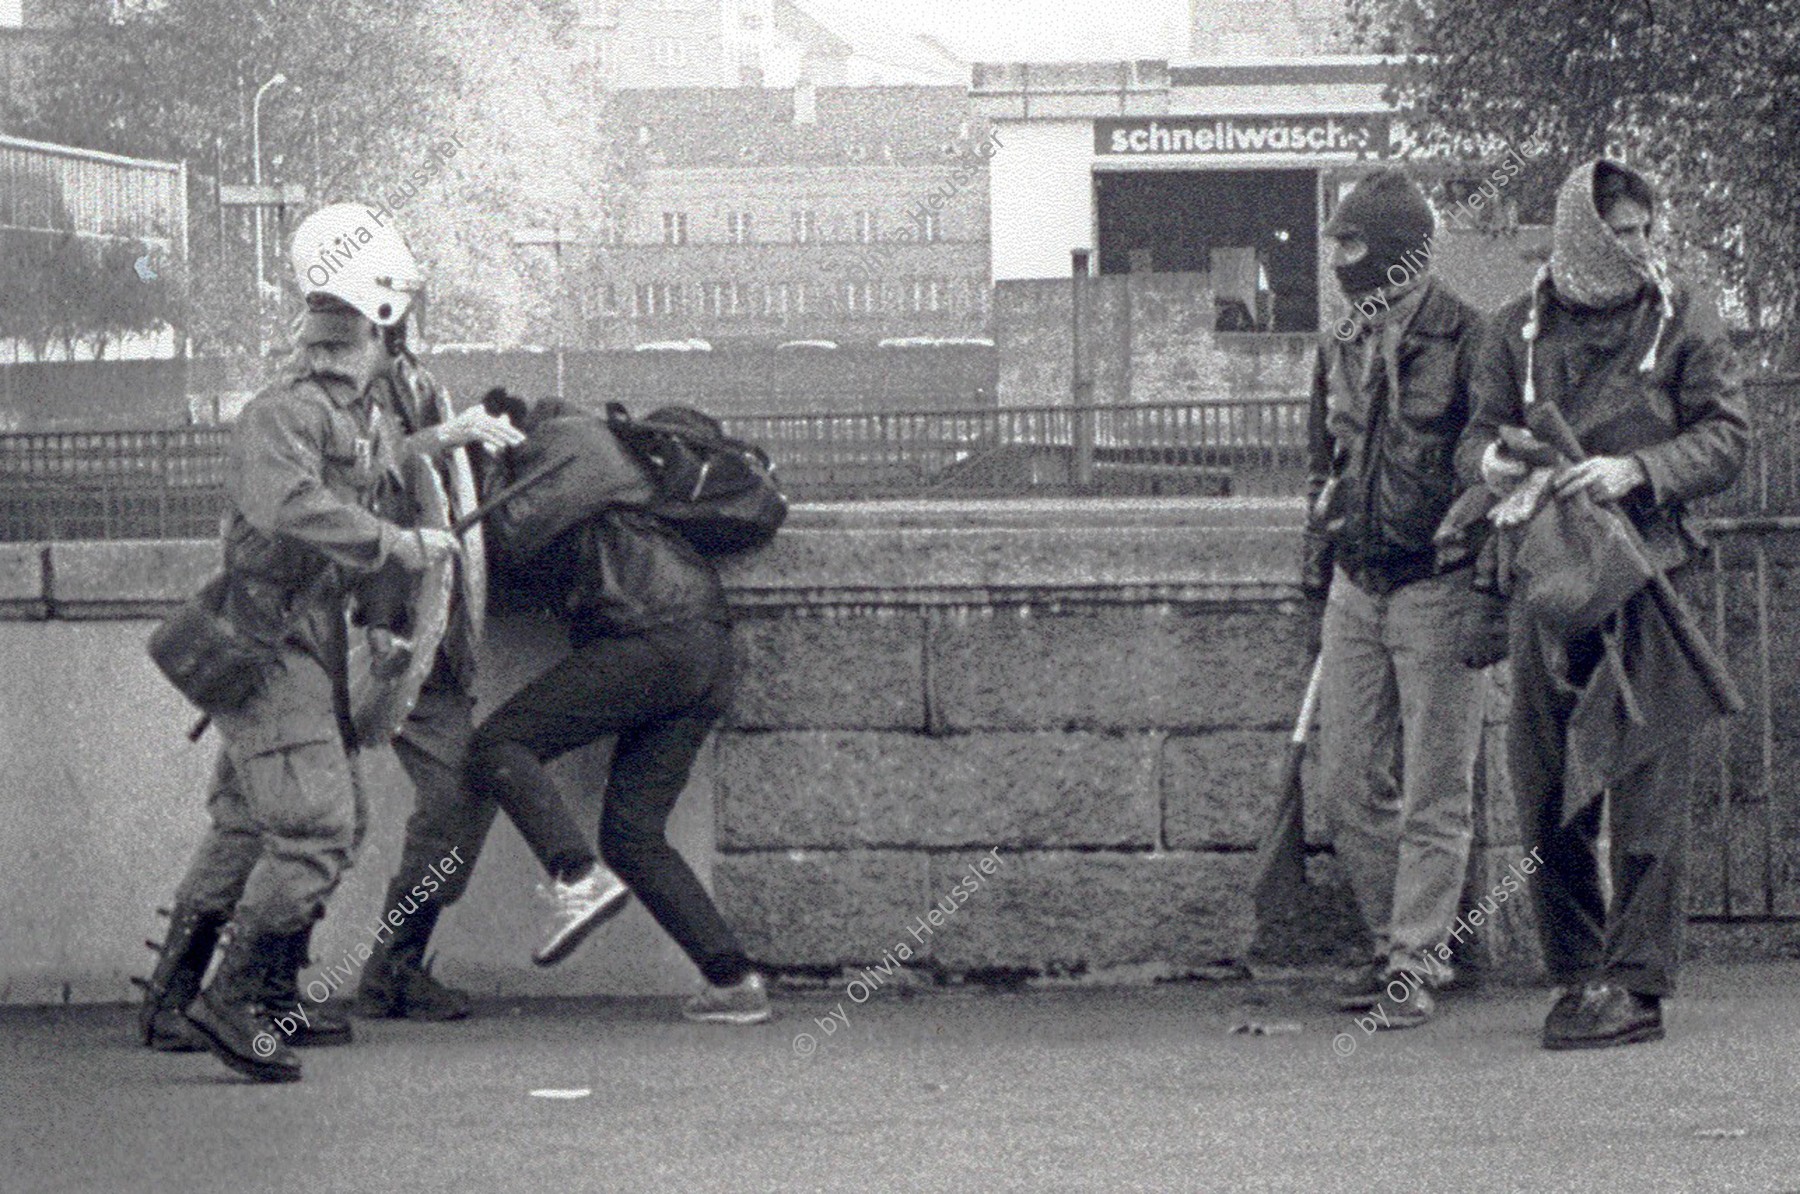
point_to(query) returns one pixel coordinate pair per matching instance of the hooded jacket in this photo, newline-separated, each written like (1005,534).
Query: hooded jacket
(1650,376)
(1388,406)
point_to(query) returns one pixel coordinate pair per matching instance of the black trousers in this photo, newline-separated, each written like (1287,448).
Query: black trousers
(1636,942)
(660,693)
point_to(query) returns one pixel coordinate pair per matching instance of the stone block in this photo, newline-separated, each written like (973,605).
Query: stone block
(1323,928)
(1151,667)
(22,580)
(1219,788)
(848,790)
(937,552)
(1057,912)
(835,669)
(91,579)
(822,909)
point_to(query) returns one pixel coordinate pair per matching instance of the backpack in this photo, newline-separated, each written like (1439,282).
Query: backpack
(718,491)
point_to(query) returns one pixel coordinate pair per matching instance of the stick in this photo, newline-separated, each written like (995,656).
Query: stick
(1546,421)
(1281,847)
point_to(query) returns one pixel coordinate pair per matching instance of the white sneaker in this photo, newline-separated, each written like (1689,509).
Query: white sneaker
(580,908)
(743,1002)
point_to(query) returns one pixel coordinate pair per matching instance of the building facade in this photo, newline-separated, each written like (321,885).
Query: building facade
(772,43)
(757,215)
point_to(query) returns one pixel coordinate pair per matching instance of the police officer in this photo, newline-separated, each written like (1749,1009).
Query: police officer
(447,821)
(430,746)
(307,456)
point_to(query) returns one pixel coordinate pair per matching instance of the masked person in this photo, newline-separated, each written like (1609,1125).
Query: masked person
(651,662)
(1399,714)
(308,455)
(1640,369)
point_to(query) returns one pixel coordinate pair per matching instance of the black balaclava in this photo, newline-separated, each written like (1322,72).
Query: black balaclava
(1388,213)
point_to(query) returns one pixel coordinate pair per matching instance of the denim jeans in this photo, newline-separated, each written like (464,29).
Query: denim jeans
(1400,725)
(660,692)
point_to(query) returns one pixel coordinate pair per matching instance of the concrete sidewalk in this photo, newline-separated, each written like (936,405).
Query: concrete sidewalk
(1073,1089)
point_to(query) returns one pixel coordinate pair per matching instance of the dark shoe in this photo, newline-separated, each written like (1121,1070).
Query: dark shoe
(392,989)
(743,1002)
(169,1032)
(1561,1019)
(229,1014)
(181,963)
(313,1025)
(1363,989)
(1415,1009)
(1609,1015)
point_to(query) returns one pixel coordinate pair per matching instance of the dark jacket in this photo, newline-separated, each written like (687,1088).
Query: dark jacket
(1684,420)
(1388,461)
(617,573)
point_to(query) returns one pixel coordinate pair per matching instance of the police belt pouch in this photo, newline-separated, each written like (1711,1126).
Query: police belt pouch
(1577,563)
(204,656)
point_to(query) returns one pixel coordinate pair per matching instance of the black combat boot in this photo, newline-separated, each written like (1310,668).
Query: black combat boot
(396,985)
(181,962)
(311,1024)
(230,1015)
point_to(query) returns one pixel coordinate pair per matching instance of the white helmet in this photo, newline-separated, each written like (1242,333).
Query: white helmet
(352,252)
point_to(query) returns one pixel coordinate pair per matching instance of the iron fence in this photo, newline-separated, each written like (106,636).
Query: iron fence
(166,484)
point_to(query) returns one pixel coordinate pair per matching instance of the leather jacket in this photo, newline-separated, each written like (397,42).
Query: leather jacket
(1381,465)
(619,572)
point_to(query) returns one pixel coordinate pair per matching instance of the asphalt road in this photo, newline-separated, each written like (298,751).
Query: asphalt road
(1074,1089)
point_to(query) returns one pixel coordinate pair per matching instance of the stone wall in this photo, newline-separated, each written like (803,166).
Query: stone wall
(1149,339)
(1089,695)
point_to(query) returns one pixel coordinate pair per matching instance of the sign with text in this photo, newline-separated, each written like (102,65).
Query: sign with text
(1364,134)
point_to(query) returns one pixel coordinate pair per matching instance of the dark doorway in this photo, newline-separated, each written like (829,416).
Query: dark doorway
(1257,229)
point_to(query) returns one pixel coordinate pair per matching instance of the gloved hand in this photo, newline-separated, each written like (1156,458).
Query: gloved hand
(1499,470)
(1316,561)
(1607,478)
(1314,620)
(477,425)
(417,550)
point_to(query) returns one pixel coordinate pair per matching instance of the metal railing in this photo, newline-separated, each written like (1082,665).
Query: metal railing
(167,484)
(1242,446)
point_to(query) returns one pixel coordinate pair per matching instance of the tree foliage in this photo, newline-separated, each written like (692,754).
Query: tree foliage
(375,90)
(1702,94)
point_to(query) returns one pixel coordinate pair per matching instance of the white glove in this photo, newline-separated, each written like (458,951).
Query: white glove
(1500,472)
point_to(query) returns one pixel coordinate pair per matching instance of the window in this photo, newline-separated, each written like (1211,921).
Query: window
(739,228)
(930,229)
(723,299)
(675,228)
(806,226)
(656,300)
(865,227)
(859,298)
(775,299)
(666,51)
(928,294)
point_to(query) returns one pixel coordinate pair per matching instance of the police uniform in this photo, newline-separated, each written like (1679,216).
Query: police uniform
(307,457)
(447,820)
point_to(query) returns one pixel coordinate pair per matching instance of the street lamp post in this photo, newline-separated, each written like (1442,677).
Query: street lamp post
(256,176)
